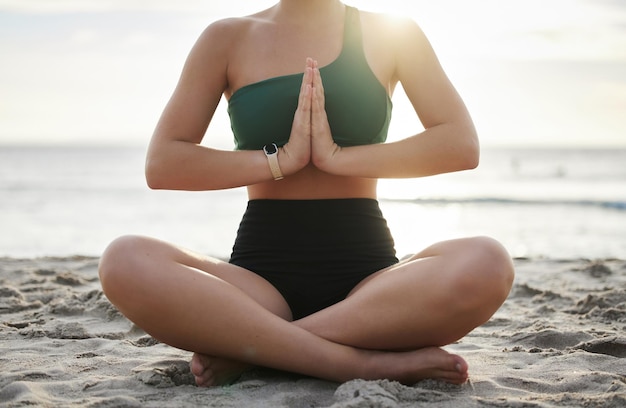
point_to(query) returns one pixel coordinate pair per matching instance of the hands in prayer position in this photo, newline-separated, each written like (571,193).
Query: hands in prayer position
(311,140)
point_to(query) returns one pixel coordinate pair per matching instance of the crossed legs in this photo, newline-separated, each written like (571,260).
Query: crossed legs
(390,326)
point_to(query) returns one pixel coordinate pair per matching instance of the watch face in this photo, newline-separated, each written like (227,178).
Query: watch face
(270,148)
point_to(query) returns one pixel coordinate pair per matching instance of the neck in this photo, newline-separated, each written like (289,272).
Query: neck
(308,10)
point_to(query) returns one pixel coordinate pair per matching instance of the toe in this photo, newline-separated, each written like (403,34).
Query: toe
(197,365)
(200,367)
(206,379)
(460,365)
(456,370)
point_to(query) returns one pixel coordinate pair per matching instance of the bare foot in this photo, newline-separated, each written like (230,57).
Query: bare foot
(412,366)
(407,367)
(210,371)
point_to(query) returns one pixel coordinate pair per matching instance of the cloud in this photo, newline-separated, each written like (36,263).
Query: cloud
(547,29)
(79,6)
(83,36)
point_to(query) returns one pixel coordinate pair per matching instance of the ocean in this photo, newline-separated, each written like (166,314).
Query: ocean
(550,203)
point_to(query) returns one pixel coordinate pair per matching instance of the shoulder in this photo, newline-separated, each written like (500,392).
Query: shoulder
(225,32)
(406,39)
(229,34)
(232,28)
(396,30)
(397,40)
(219,41)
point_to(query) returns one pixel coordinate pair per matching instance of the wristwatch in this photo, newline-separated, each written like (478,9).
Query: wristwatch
(271,152)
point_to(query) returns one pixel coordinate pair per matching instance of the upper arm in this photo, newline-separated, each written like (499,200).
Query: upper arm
(424,81)
(199,89)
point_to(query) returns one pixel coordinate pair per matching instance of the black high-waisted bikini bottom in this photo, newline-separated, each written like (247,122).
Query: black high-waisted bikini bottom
(313,251)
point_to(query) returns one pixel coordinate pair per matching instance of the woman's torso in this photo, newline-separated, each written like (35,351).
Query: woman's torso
(269,48)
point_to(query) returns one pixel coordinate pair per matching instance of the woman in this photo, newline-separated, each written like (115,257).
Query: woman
(313,285)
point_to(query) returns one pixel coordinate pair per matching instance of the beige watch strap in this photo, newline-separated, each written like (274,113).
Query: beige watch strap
(272,159)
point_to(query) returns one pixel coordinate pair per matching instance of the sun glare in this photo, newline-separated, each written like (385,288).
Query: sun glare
(518,30)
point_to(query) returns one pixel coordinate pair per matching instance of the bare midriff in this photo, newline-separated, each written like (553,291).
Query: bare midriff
(311,183)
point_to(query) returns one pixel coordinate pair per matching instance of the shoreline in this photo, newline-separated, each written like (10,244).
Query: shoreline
(558,341)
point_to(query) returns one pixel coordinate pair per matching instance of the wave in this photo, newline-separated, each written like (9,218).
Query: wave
(605,204)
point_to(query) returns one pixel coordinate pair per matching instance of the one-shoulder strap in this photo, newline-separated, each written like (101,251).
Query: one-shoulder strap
(352,30)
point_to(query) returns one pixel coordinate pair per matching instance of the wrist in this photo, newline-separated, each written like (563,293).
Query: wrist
(330,161)
(271,152)
(291,163)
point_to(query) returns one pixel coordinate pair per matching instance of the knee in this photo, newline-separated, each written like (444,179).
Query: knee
(491,272)
(117,265)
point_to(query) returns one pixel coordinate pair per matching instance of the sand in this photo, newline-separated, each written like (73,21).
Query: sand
(558,341)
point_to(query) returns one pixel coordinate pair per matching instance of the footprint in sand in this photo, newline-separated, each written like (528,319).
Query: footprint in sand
(613,346)
(551,339)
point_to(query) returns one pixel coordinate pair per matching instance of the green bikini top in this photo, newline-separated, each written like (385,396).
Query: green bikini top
(357,105)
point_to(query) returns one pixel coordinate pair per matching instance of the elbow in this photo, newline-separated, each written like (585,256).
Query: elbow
(473,156)
(154,175)
(465,156)
(470,154)
(153,181)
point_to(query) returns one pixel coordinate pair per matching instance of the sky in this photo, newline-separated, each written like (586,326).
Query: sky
(533,73)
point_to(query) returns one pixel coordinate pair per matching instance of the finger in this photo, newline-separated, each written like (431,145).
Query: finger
(317,100)
(305,107)
(318,85)
(304,99)
(307,78)
(319,119)
(302,117)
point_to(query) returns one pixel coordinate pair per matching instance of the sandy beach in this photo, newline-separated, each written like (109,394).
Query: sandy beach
(558,341)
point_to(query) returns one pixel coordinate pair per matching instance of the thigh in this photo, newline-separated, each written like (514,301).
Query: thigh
(146,258)
(464,259)
(430,299)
